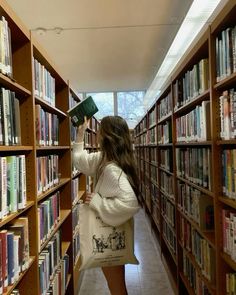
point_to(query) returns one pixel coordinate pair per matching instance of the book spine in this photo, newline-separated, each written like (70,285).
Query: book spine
(10,249)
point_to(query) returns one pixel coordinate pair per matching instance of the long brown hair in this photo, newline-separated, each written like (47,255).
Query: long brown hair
(116,146)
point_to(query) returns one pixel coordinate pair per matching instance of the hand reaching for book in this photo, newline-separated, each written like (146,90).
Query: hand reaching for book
(81,130)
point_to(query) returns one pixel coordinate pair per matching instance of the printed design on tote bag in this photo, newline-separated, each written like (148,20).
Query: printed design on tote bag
(114,241)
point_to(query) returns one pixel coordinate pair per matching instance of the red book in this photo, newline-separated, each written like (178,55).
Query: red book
(3,237)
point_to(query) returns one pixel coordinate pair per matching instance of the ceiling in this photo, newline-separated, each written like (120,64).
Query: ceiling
(105,45)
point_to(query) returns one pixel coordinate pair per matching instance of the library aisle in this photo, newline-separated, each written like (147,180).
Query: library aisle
(147,278)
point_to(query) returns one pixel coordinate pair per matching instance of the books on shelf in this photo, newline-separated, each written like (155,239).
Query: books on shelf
(5,48)
(195,125)
(47,172)
(85,108)
(47,127)
(170,236)
(225,46)
(48,217)
(164,133)
(14,252)
(195,281)
(194,164)
(196,205)
(44,83)
(49,263)
(12,184)
(230,283)
(164,107)
(152,117)
(227,103)
(10,125)
(229,173)
(168,210)
(193,83)
(229,234)
(75,218)
(167,184)
(203,253)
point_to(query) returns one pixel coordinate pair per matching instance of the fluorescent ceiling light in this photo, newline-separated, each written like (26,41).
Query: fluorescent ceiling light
(197,16)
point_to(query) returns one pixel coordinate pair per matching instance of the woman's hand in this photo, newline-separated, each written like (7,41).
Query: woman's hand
(88,197)
(81,130)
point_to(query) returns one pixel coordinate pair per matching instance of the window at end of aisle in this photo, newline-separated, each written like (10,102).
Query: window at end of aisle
(130,106)
(104,102)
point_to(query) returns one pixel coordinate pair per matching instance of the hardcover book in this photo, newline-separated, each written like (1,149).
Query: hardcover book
(86,107)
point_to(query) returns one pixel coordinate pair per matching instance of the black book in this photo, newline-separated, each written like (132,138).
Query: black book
(85,108)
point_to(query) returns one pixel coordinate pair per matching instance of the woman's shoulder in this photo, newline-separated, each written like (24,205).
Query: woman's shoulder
(112,169)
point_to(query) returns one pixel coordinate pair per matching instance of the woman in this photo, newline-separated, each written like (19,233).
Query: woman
(117,182)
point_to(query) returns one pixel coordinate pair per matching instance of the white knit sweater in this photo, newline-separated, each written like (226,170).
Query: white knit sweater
(114,198)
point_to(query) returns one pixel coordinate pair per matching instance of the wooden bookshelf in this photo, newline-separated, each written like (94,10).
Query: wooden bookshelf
(53,97)
(184,103)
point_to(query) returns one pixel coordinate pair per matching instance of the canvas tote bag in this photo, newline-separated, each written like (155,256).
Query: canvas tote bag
(104,245)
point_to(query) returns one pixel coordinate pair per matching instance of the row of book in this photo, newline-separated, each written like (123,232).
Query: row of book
(195,125)
(49,262)
(167,184)
(168,210)
(169,235)
(225,53)
(5,48)
(228,114)
(152,117)
(194,164)
(146,153)
(47,172)
(199,247)
(193,277)
(229,173)
(229,232)
(153,156)
(193,83)
(14,252)
(72,101)
(10,125)
(48,217)
(74,190)
(164,133)
(44,83)
(166,159)
(143,124)
(75,218)
(154,193)
(156,212)
(195,205)
(47,127)
(12,184)
(164,107)
(151,136)
(153,173)
(231,284)
(146,172)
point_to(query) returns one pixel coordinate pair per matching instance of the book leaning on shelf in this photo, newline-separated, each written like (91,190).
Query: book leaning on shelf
(14,252)
(85,108)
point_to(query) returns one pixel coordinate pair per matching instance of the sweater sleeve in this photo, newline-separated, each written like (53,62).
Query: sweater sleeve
(83,161)
(120,203)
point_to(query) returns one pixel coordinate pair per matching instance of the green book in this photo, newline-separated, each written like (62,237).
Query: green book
(86,107)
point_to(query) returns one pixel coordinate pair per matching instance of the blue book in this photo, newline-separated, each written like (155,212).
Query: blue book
(10,254)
